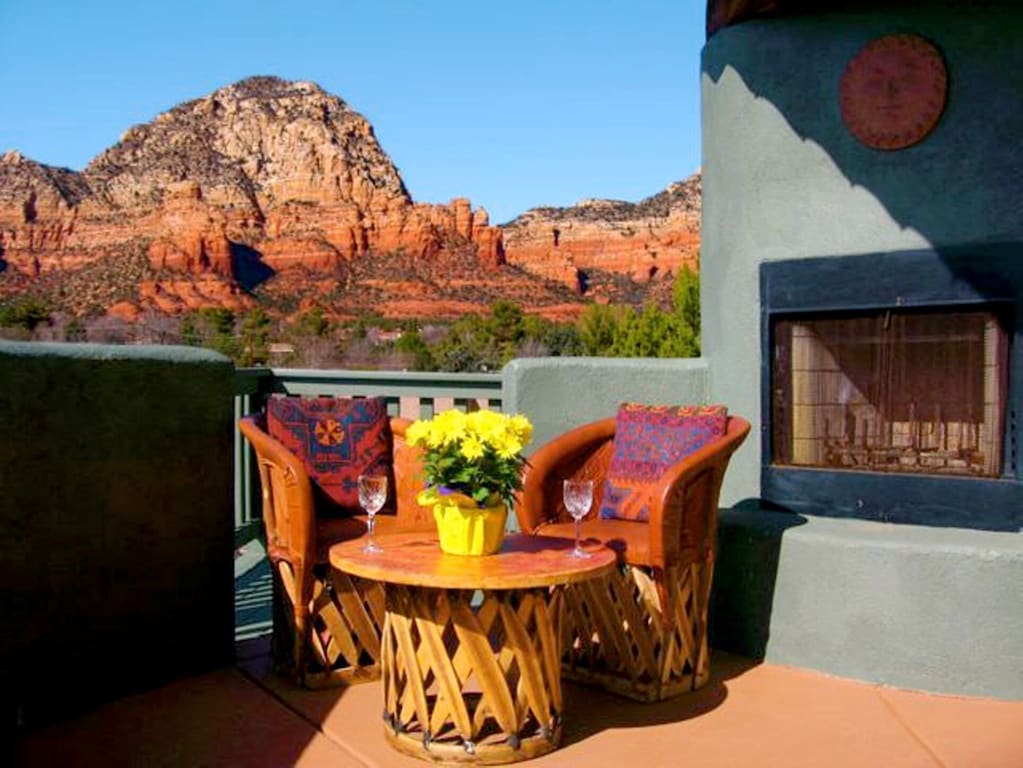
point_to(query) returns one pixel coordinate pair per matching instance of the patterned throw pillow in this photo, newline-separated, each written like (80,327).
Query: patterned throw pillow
(648,440)
(337,440)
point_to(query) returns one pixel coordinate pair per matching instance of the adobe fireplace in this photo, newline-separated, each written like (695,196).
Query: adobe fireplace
(892,385)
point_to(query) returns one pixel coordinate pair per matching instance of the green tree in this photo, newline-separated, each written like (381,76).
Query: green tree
(536,327)
(190,331)
(313,323)
(562,340)
(75,330)
(469,345)
(219,320)
(213,328)
(24,312)
(653,332)
(411,343)
(253,347)
(219,333)
(686,304)
(597,325)
(505,323)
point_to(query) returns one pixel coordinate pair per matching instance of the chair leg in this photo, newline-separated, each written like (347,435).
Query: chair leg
(334,640)
(617,636)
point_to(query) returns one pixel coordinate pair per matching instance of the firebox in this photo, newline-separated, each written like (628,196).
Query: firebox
(892,384)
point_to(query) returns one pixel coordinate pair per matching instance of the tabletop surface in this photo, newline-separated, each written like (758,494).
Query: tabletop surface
(523,562)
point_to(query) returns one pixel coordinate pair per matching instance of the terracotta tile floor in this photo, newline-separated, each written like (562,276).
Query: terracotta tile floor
(749,715)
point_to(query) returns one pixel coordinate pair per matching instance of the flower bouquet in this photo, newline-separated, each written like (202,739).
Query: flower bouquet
(473,465)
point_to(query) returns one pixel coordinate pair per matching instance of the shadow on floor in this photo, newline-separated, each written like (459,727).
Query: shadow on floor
(253,589)
(591,710)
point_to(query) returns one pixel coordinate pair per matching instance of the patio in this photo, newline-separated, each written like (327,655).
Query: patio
(119,650)
(750,714)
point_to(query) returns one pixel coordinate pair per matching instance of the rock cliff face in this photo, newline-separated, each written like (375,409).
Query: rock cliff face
(647,241)
(280,173)
(278,192)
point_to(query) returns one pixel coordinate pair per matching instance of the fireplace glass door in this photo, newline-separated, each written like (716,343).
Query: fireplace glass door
(891,391)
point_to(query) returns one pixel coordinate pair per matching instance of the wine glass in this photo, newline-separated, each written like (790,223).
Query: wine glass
(578,496)
(372,495)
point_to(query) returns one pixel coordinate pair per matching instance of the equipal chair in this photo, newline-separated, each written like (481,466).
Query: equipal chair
(657,472)
(327,624)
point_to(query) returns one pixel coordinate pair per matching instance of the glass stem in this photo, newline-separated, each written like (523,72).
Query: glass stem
(370,524)
(578,526)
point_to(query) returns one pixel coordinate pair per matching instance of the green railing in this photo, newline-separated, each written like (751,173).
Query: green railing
(411,395)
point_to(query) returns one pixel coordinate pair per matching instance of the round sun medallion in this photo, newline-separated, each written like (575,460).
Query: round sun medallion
(329,432)
(893,91)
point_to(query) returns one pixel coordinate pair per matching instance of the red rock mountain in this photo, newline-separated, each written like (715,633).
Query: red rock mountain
(655,237)
(277,192)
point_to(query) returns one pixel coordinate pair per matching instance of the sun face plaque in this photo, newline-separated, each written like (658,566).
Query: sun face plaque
(893,91)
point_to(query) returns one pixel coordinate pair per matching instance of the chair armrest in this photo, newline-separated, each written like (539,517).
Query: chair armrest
(409,480)
(582,452)
(289,516)
(684,504)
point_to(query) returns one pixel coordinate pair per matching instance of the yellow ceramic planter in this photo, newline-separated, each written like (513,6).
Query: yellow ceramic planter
(464,528)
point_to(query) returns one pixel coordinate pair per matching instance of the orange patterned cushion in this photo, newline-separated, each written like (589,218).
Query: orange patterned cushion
(337,440)
(648,440)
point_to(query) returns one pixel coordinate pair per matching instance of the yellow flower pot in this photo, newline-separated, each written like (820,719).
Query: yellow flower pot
(464,528)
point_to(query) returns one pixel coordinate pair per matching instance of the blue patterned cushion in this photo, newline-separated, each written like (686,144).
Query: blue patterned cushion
(337,440)
(648,440)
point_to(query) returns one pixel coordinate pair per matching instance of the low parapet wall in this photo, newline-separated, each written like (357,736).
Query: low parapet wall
(559,393)
(115,522)
(934,609)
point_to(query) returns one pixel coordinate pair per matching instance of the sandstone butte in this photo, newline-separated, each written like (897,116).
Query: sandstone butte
(280,185)
(642,241)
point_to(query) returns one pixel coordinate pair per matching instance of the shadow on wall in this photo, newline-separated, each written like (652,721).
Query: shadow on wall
(960,184)
(786,179)
(115,523)
(745,572)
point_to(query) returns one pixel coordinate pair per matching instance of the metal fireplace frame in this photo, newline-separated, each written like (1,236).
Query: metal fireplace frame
(987,275)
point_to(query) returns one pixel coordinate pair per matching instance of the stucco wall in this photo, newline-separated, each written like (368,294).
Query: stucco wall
(784,179)
(559,393)
(115,521)
(915,607)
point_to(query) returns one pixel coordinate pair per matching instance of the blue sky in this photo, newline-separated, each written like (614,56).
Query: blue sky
(513,104)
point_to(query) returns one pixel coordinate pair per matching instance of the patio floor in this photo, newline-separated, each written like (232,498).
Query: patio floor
(749,715)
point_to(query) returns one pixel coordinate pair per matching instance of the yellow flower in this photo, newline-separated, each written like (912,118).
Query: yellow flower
(522,427)
(483,445)
(509,447)
(449,427)
(487,425)
(472,448)
(417,432)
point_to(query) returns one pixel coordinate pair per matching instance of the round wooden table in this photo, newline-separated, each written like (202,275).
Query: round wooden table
(471,646)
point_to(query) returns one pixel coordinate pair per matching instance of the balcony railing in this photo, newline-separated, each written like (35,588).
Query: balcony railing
(411,395)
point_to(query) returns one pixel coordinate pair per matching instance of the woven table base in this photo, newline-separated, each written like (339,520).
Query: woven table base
(341,644)
(472,683)
(616,634)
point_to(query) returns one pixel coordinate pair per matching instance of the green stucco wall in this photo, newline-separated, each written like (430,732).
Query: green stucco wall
(784,179)
(116,528)
(560,393)
(935,609)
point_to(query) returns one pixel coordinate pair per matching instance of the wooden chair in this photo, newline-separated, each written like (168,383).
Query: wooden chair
(326,624)
(642,632)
